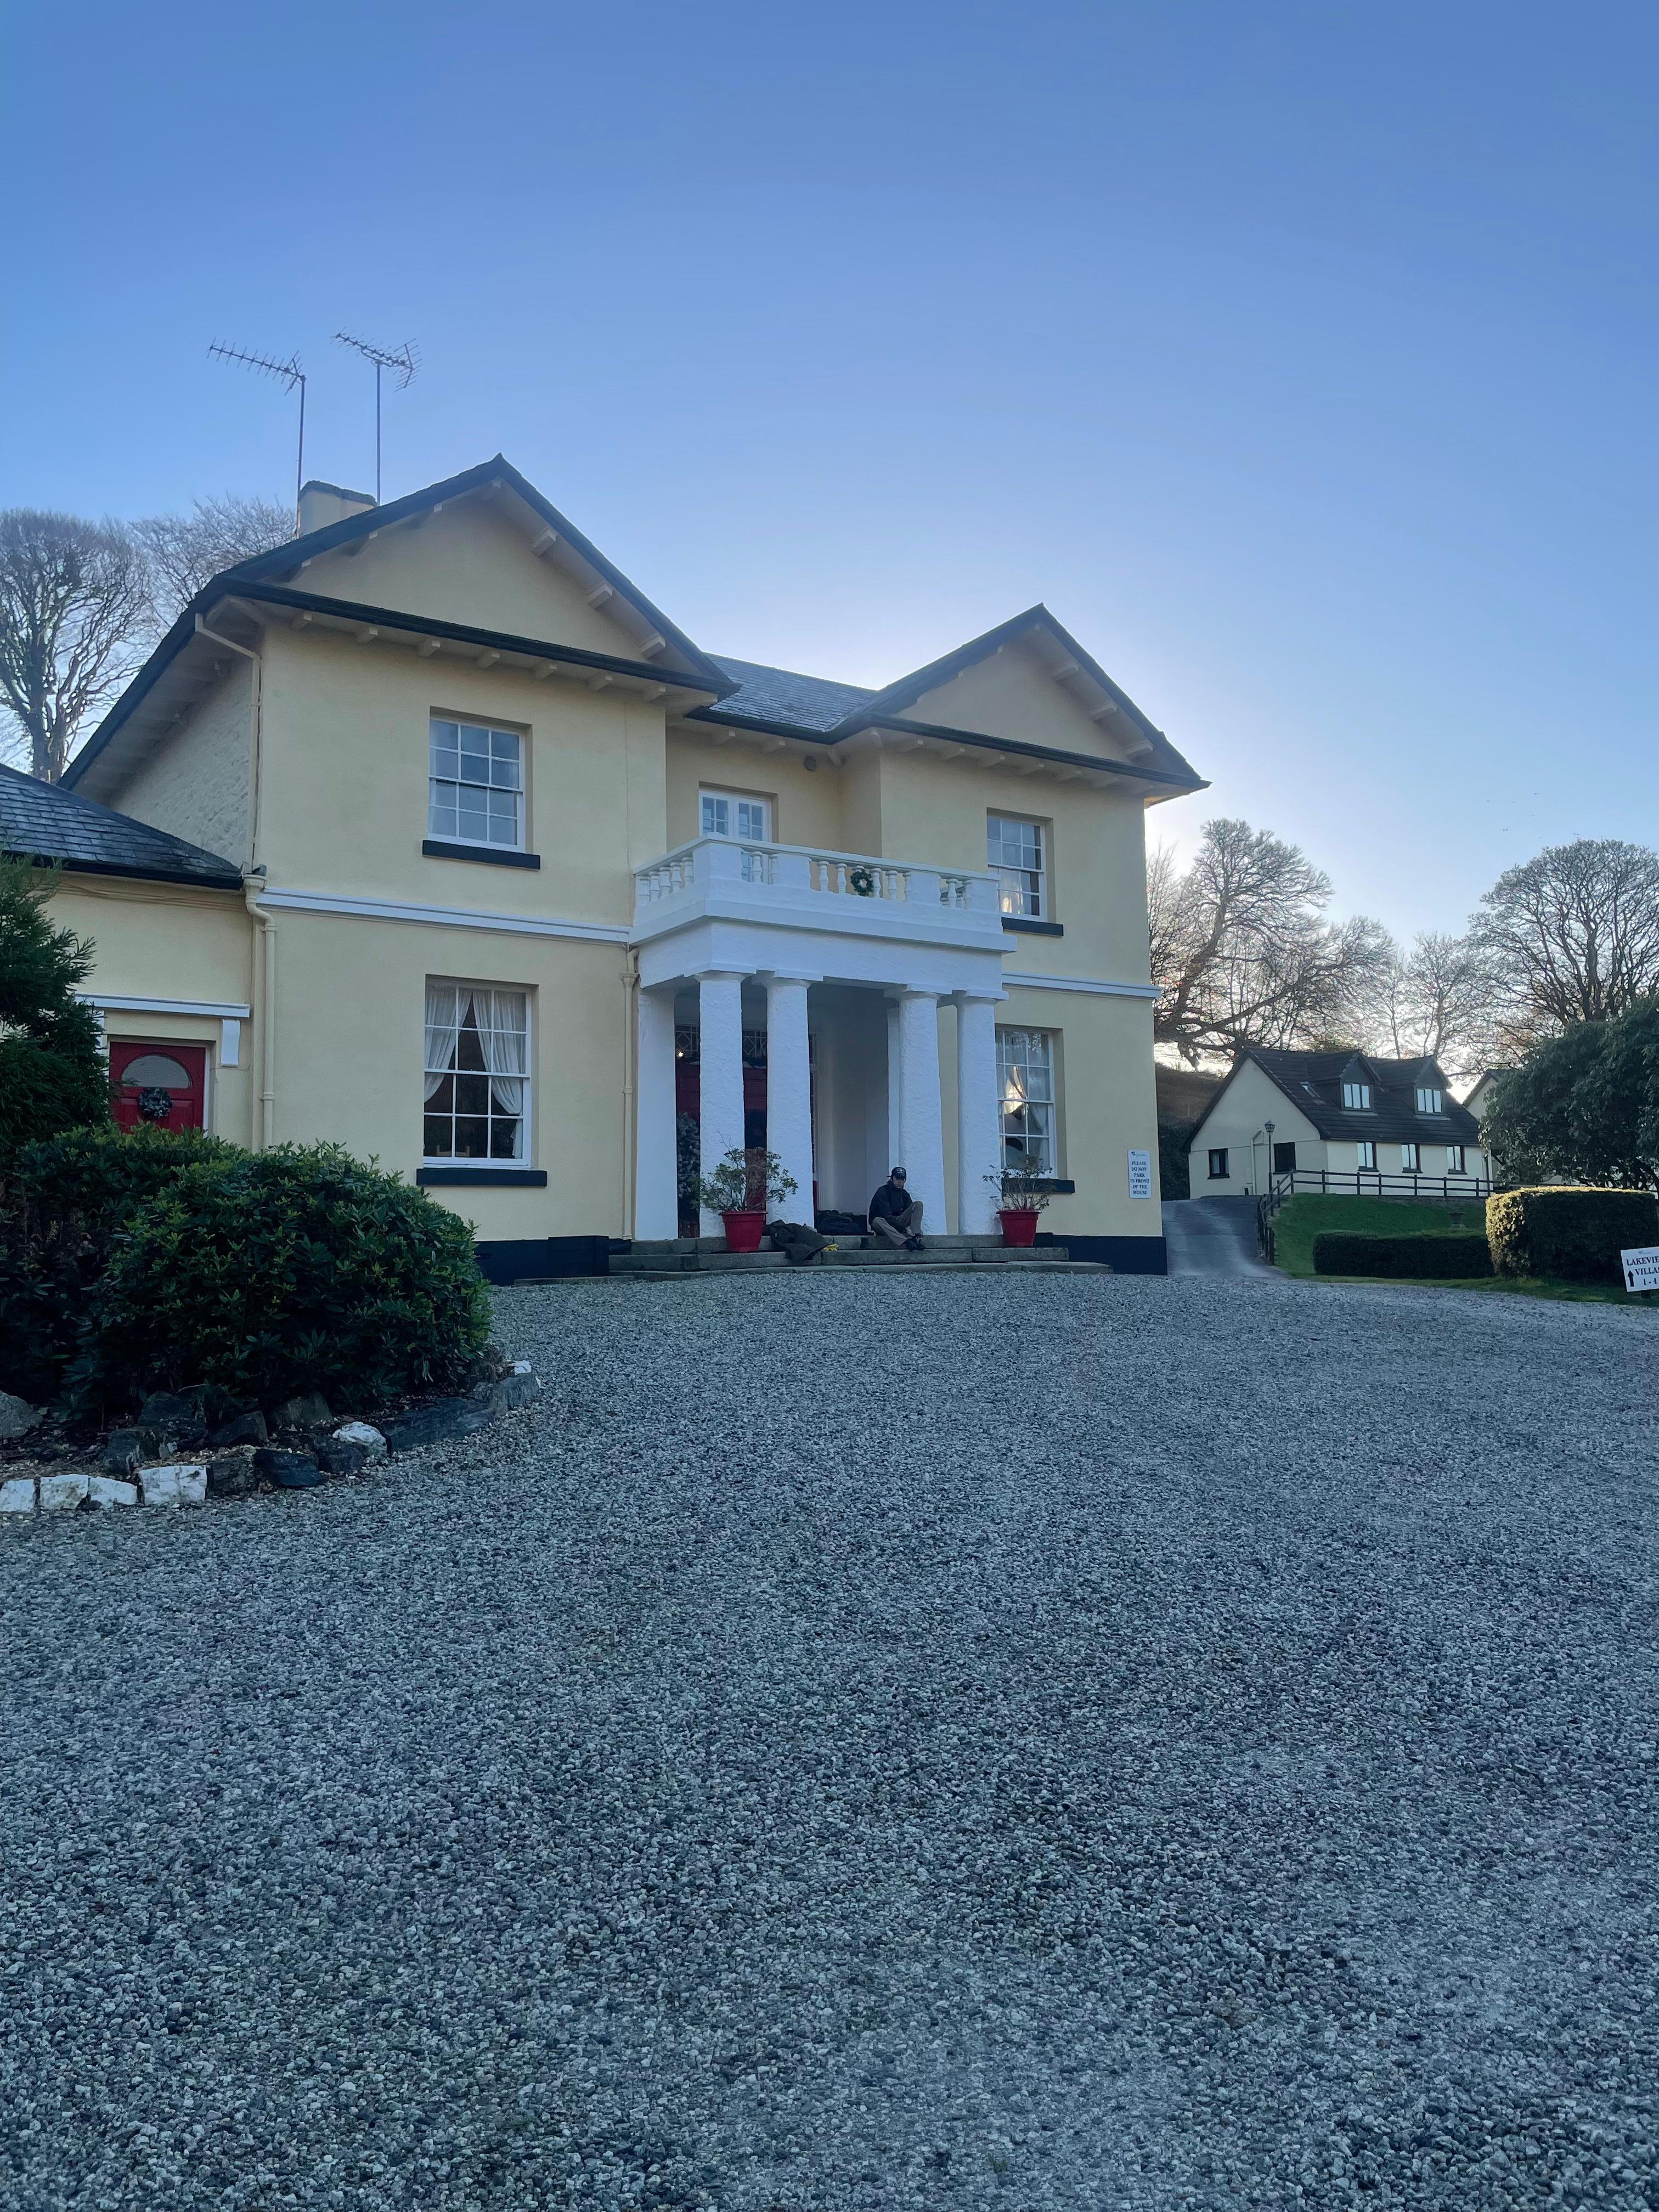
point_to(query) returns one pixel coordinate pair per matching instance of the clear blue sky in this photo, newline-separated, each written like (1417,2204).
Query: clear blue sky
(1301,357)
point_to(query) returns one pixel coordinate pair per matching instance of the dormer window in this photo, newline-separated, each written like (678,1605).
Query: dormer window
(1429,1100)
(1356,1097)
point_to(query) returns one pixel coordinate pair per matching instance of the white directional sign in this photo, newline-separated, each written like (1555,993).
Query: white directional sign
(1140,1174)
(1642,1267)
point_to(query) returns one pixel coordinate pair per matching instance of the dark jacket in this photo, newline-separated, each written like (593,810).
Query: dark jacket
(891,1202)
(797,1243)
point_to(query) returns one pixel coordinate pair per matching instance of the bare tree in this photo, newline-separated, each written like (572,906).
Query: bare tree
(1570,936)
(73,605)
(184,551)
(1244,954)
(1436,1003)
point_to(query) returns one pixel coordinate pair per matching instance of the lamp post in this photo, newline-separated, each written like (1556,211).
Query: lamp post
(1268,1127)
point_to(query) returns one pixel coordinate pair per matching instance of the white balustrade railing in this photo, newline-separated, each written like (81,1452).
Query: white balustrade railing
(805,868)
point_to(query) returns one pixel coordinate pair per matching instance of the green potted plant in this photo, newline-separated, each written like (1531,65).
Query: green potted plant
(741,1189)
(1023,1197)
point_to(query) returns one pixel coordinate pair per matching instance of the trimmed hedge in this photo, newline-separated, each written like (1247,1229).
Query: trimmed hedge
(296,1269)
(63,1204)
(1576,1235)
(1458,1254)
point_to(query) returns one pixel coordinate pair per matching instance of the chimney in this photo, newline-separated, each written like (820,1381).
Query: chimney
(321,504)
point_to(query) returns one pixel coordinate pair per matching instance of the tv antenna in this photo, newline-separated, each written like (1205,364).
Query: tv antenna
(403,365)
(289,373)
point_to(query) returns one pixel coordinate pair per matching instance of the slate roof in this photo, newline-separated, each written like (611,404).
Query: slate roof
(43,821)
(1313,1082)
(779,695)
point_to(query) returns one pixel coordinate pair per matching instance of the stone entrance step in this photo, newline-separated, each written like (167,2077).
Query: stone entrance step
(708,1256)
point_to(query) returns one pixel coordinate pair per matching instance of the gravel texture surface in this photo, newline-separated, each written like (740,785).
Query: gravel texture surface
(870,1741)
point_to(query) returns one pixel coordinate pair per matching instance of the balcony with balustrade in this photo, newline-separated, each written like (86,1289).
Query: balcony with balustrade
(729,932)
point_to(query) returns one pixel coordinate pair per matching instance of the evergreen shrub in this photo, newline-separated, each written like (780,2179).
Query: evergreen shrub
(1451,1254)
(63,1199)
(1576,1235)
(52,1074)
(296,1269)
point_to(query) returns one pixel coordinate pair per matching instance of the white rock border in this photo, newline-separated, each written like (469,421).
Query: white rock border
(184,1482)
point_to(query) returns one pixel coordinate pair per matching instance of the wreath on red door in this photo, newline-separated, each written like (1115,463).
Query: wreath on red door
(155,1104)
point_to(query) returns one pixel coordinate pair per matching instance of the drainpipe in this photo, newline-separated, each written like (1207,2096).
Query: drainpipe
(264,995)
(263,992)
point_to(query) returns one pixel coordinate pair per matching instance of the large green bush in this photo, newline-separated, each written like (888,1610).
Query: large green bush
(1582,1106)
(293,1269)
(52,1074)
(1576,1235)
(63,1201)
(1351,1252)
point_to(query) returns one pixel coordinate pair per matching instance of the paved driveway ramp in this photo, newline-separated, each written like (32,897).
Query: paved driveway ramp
(1212,1237)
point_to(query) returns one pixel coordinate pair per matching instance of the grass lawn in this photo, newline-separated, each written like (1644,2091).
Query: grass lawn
(1301,1219)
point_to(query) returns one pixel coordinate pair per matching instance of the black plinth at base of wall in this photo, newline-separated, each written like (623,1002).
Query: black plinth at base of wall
(1124,1255)
(541,1259)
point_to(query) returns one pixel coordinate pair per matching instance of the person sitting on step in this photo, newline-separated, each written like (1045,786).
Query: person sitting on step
(895,1215)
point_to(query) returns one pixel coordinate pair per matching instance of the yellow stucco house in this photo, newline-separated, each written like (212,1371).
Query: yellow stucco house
(427,833)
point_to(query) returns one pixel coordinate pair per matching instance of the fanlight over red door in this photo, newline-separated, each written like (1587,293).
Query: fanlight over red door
(159,1086)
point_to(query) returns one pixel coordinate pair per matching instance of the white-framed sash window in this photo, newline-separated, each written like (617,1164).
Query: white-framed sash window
(476,784)
(476,1073)
(1026,1089)
(1017,853)
(736,814)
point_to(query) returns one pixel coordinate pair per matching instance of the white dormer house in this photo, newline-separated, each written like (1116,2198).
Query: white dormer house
(1344,1122)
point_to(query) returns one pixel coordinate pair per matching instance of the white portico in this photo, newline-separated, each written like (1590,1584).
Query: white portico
(844,960)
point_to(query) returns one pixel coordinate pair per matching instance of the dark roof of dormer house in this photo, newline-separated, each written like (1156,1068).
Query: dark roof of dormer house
(1313,1081)
(43,821)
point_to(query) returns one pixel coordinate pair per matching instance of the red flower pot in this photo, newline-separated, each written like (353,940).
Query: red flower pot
(743,1230)
(1018,1228)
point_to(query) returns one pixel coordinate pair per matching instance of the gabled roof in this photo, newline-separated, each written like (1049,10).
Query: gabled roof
(279,564)
(43,821)
(788,704)
(1313,1081)
(162,688)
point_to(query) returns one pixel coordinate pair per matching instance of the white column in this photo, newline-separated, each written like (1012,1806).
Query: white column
(789,1091)
(978,1120)
(922,1129)
(656,1160)
(892,1155)
(720,1088)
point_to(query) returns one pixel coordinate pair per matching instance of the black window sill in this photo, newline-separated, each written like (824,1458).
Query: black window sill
(526,1178)
(1031,928)
(493,856)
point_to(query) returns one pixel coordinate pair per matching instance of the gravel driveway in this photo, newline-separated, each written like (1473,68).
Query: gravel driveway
(870,1741)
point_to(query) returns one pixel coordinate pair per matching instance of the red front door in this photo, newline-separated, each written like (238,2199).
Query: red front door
(163,1086)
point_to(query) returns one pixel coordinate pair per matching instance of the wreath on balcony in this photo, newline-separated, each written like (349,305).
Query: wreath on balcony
(863,881)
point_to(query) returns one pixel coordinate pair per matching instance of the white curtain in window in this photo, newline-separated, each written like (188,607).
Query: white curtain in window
(443,1026)
(500,1018)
